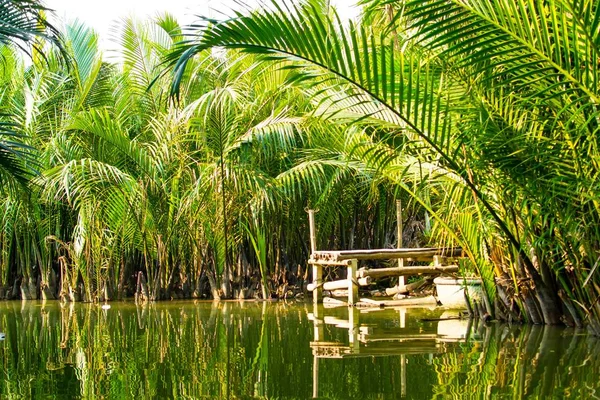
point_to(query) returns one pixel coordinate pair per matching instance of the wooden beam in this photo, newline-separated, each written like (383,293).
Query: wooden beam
(404,271)
(399,231)
(352,282)
(386,254)
(411,287)
(330,302)
(312,231)
(341,284)
(326,263)
(340,323)
(429,300)
(317,270)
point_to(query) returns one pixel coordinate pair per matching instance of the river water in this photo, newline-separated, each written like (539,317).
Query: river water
(249,350)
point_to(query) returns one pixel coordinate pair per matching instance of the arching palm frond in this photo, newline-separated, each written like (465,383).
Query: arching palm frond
(22,24)
(17,163)
(24,21)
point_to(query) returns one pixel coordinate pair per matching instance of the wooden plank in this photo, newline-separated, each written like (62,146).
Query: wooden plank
(340,323)
(404,271)
(312,230)
(327,263)
(411,287)
(341,284)
(370,301)
(374,350)
(386,254)
(317,270)
(429,300)
(399,337)
(371,308)
(330,302)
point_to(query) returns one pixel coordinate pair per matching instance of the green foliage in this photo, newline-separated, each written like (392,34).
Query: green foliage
(498,99)
(483,114)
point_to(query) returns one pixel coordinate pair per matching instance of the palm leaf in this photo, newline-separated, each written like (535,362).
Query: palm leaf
(401,87)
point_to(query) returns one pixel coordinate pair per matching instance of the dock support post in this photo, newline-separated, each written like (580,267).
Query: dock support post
(317,270)
(317,275)
(403,357)
(318,336)
(352,282)
(403,376)
(315,377)
(353,329)
(399,243)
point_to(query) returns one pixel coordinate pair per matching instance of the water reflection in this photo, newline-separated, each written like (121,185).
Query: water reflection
(399,336)
(275,350)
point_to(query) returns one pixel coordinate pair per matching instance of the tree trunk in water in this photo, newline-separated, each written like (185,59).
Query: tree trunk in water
(197,293)
(14,293)
(551,310)
(214,289)
(550,353)
(531,305)
(46,292)
(121,285)
(48,289)
(186,285)
(141,293)
(28,289)
(81,294)
(546,291)
(226,288)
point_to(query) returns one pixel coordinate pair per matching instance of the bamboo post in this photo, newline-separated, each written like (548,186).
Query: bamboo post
(403,376)
(403,357)
(315,377)
(317,270)
(399,243)
(313,233)
(402,313)
(352,282)
(353,331)
(318,331)
(318,336)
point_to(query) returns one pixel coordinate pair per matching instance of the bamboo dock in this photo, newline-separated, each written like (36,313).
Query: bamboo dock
(442,258)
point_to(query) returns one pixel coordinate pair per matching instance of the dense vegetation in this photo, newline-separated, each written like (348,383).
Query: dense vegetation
(204,194)
(485,115)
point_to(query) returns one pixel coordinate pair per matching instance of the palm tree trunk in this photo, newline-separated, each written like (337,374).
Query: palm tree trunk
(226,278)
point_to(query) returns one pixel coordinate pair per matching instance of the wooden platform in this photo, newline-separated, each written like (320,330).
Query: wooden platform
(425,254)
(356,277)
(441,257)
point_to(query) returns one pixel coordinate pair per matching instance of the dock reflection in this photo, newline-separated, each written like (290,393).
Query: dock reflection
(349,333)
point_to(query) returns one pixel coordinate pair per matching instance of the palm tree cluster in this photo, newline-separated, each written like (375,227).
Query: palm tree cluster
(187,167)
(485,112)
(124,189)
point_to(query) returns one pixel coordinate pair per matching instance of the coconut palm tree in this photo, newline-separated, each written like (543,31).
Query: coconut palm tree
(501,96)
(22,25)
(167,183)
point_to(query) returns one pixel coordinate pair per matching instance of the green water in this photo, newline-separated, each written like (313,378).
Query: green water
(283,351)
